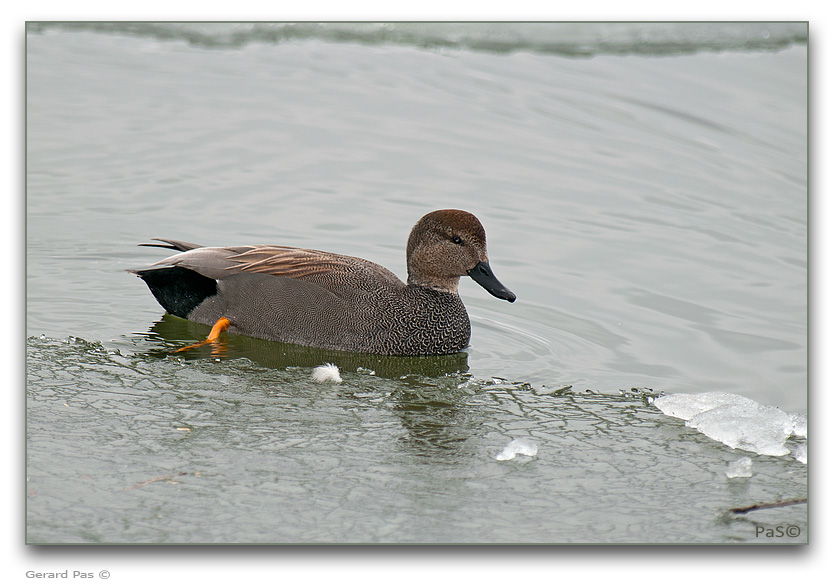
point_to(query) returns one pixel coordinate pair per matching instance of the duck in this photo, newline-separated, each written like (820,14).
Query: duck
(333,301)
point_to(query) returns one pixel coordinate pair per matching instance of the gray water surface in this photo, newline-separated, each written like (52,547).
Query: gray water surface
(649,210)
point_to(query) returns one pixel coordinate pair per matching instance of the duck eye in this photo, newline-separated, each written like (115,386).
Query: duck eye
(457,239)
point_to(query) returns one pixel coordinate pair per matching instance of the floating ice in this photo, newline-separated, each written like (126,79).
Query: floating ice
(518,447)
(800,425)
(326,373)
(685,406)
(741,468)
(734,420)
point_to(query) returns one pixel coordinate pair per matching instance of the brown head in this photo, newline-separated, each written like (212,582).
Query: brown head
(448,244)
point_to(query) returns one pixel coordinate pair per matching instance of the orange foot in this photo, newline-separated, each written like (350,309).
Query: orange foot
(220,326)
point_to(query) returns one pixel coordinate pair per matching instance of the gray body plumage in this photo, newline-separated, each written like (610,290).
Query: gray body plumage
(402,320)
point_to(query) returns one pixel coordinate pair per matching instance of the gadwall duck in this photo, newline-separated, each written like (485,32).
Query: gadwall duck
(332,301)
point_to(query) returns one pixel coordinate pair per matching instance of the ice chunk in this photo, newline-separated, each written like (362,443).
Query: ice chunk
(518,447)
(733,420)
(800,425)
(685,406)
(326,373)
(741,468)
(754,428)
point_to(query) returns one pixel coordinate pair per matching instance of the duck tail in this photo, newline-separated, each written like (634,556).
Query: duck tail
(174,244)
(178,290)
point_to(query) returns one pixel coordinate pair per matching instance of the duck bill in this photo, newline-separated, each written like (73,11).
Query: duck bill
(483,275)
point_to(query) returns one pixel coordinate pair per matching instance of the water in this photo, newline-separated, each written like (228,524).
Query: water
(644,192)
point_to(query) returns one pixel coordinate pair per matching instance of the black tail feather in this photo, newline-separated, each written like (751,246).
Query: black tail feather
(174,244)
(177,289)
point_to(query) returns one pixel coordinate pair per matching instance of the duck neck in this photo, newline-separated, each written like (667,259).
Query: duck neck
(447,284)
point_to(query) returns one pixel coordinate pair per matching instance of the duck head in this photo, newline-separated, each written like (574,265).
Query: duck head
(445,245)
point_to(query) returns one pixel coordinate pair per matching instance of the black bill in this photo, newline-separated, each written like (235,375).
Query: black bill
(484,276)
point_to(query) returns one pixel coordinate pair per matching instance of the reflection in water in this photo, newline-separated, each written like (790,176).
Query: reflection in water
(437,417)
(428,401)
(176,332)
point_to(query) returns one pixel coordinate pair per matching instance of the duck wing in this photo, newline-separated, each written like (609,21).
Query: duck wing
(323,268)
